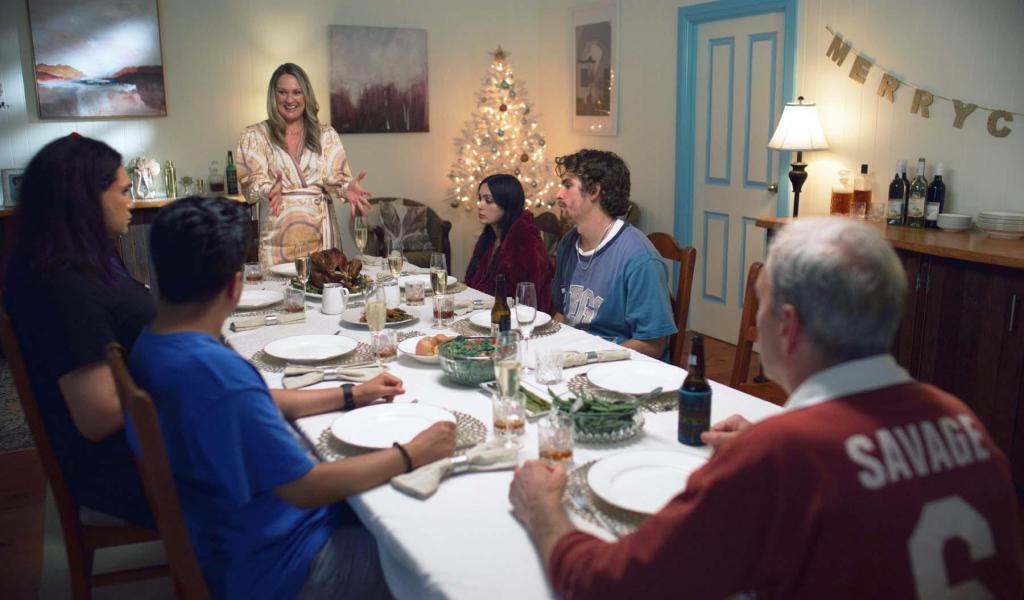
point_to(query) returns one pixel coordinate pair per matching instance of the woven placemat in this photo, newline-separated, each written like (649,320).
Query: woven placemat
(622,521)
(454,288)
(665,402)
(466,328)
(362,354)
(469,431)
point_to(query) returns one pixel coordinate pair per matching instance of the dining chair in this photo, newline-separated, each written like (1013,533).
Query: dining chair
(421,229)
(81,540)
(764,389)
(551,231)
(666,245)
(157,480)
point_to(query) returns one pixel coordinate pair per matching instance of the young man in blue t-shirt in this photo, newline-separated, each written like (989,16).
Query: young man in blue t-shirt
(266,521)
(609,279)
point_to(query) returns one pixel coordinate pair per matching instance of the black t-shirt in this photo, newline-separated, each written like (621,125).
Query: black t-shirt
(64,323)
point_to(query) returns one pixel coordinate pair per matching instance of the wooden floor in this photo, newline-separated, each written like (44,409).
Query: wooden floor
(23,497)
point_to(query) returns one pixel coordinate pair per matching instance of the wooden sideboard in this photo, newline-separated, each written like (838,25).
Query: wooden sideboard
(963,323)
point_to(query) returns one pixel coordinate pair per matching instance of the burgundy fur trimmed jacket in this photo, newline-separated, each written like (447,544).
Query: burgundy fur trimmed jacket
(522,257)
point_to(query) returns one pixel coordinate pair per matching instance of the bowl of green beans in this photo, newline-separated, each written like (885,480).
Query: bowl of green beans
(600,420)
(467,360)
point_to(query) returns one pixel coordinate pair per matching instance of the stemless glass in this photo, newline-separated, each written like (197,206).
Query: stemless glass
(526,313)
(438,273)
(360,232)
(395,258)
(254,275)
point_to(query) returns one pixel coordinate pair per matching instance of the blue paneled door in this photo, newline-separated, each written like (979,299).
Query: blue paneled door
(736,102)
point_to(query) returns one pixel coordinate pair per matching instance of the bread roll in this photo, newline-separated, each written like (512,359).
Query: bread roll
(427,346)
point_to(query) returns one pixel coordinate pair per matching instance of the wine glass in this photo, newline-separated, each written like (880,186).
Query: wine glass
(526,313)
(509,414)
(395,258)
(302,265)
(438,273)
(361,232)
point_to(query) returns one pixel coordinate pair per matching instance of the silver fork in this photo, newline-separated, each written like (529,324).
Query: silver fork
(580,502)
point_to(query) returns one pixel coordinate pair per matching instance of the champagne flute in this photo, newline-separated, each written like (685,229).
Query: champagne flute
(508,410)
(438,273)
(395,258)
(526,313)
(302,265)
(361,233)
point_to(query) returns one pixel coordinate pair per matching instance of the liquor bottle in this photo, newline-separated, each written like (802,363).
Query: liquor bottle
(896,213)
(861,194)
(501,316)
(170,180)
(918,192)
(694,398)
(231,173)
(216,178)
(935,200)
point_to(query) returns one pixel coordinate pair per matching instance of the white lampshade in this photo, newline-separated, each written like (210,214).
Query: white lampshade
(799,128)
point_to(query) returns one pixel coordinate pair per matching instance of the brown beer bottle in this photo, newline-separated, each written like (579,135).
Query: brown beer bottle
(501,316)
(694,397)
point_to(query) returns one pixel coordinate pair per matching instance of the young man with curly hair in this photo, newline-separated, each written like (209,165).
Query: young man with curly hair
(609,279)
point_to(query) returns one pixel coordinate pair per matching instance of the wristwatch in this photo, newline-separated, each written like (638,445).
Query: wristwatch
(350,399)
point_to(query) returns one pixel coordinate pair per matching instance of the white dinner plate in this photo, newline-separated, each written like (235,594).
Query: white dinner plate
(309,294)
(636,377)
(352,316)
(308,348)
(642,481)
(259,298)
(381,425)
(408,348)
(285,269)
(482,319)
(425,278)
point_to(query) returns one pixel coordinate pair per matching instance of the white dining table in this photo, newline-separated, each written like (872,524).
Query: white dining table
(463,542)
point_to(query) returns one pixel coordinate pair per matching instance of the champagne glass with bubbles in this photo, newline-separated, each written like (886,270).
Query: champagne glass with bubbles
(526,313)
(395,258)
(509,413)
(302,265)
(361,232)
(438,273)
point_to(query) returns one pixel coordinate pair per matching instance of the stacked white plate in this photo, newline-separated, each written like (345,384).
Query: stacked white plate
(1002,225)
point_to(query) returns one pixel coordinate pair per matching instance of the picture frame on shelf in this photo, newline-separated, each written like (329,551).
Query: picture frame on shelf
(11,186)
(595,65)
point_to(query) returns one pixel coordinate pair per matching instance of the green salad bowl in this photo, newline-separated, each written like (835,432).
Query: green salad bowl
(467,360)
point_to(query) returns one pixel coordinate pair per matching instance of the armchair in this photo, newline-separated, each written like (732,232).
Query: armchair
(420,228)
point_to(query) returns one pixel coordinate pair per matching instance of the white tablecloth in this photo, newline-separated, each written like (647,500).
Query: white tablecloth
(463,542)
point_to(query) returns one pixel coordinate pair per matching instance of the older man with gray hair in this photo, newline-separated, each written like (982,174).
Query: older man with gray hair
(868,485)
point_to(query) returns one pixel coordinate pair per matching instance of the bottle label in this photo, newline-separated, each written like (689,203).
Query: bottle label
(693,360)
(896,209)
(932,211)
(915,208)
(694,416)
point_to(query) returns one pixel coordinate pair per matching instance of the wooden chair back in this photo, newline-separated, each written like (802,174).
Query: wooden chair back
(551,231)
(666,245)
(157,479)
(764,389)
(80,540)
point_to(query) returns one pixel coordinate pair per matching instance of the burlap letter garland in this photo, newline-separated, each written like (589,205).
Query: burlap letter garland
(839,49)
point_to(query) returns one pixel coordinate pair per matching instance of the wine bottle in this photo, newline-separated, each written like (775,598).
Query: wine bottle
(896,213)
(501,316)
(935,200)
(918,192)
(694,398)
(906,189)
(861,194)
(231,173)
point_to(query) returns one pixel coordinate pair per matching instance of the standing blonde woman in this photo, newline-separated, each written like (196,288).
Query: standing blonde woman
(295,167)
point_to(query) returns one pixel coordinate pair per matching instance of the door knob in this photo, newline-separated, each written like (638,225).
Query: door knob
(773,188)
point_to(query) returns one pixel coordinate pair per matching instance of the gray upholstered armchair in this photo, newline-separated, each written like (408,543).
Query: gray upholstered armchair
(421,230)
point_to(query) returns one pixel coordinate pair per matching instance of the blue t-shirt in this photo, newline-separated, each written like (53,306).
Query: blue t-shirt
(229,447)
(621,291)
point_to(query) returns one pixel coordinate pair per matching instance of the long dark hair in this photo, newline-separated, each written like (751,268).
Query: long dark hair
(60,211)
(508,194)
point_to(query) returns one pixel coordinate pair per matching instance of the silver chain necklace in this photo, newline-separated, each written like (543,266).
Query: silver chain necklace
(586,266)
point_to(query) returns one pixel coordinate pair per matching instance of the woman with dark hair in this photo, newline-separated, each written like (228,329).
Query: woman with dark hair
(295,167)
(69,295)
(510,243)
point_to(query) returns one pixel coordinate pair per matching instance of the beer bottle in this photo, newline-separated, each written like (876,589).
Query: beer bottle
(694,398)
(501,316)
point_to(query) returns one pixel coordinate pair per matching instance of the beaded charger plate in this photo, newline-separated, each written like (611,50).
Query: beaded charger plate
(665,402)
(622,521)
(469,431)
(464,327)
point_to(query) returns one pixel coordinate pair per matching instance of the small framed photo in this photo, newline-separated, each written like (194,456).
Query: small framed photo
(11,186)
(595,61)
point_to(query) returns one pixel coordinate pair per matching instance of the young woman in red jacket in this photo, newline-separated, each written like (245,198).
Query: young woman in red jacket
(510,243)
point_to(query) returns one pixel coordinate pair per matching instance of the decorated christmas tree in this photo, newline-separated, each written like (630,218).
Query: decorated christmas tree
(502,137)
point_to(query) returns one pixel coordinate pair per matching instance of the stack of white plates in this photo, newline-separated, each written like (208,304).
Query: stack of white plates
(1002,225)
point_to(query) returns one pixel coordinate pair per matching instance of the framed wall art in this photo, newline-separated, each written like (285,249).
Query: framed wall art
(378,79)
(595,61)
(97,59)
(11,186)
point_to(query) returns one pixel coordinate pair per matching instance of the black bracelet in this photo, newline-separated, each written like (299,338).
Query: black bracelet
(350,398)
(405,456)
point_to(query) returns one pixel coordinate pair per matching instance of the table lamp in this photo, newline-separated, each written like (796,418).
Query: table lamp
(799,129)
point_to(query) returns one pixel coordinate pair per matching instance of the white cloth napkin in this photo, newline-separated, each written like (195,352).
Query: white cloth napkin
(572,358)
(464,307)
(246,323)
(300,377)
(489,456)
